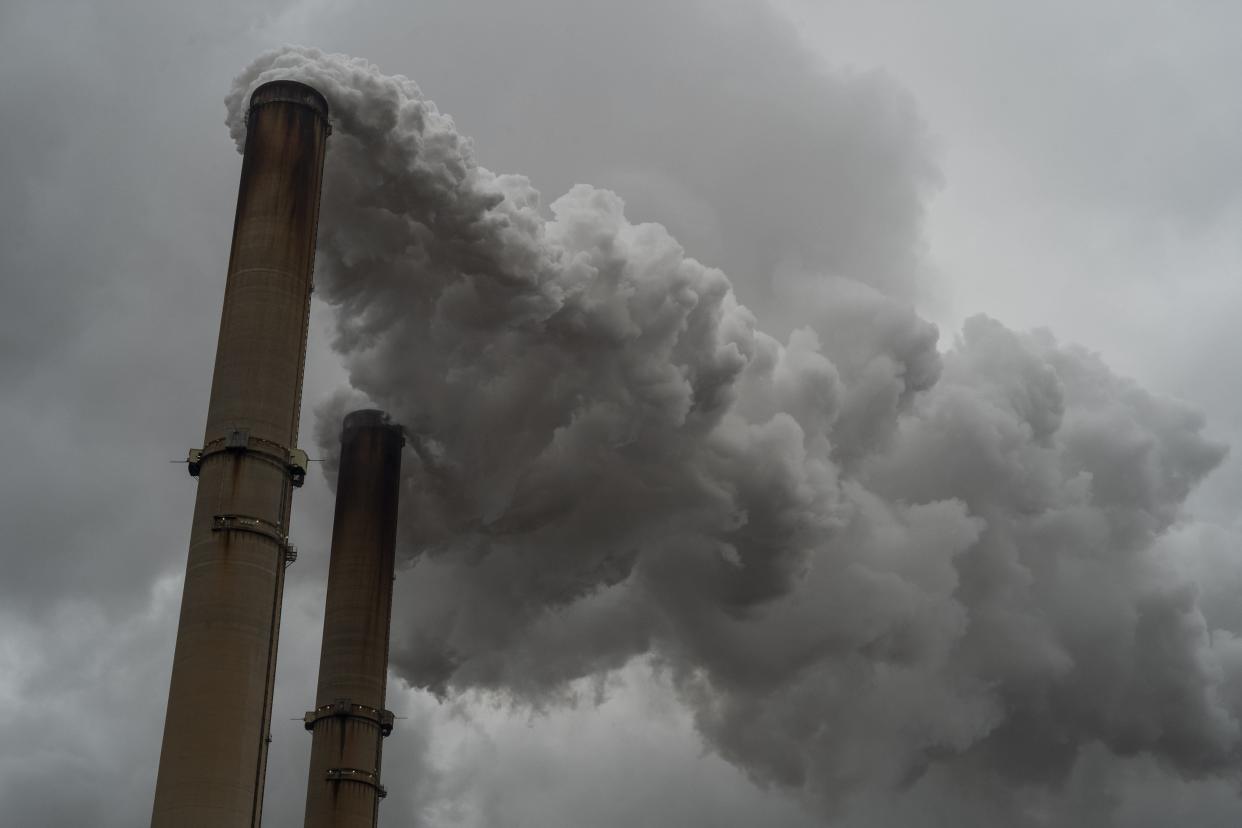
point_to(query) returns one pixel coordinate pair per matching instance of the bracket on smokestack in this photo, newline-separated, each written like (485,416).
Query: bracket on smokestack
(360,776)
(238,441)
(346,709)
(256,526)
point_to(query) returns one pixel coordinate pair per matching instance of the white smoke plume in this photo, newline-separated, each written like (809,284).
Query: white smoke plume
(861,560)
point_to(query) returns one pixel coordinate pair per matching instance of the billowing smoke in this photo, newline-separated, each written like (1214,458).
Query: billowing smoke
(859,559)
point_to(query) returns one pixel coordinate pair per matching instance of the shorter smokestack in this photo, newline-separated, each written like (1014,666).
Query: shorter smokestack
(349,721)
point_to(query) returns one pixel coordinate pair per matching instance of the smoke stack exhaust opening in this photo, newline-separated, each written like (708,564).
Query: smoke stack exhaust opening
(349,721)
(216,731)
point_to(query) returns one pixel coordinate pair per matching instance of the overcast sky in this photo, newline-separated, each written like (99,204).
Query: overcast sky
(1067,165)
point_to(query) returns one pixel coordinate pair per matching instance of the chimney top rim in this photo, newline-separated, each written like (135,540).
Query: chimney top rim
(369,418)
(288,90)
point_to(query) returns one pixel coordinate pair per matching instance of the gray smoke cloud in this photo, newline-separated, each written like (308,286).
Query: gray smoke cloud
(861,561)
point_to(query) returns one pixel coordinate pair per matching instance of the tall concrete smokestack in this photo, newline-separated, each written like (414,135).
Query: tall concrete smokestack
(349,721)
(216,732)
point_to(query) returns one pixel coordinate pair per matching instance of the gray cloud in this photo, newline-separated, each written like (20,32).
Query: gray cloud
(719,122)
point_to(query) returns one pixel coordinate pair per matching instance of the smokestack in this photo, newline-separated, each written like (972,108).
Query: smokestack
(216,731)
(349,721)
